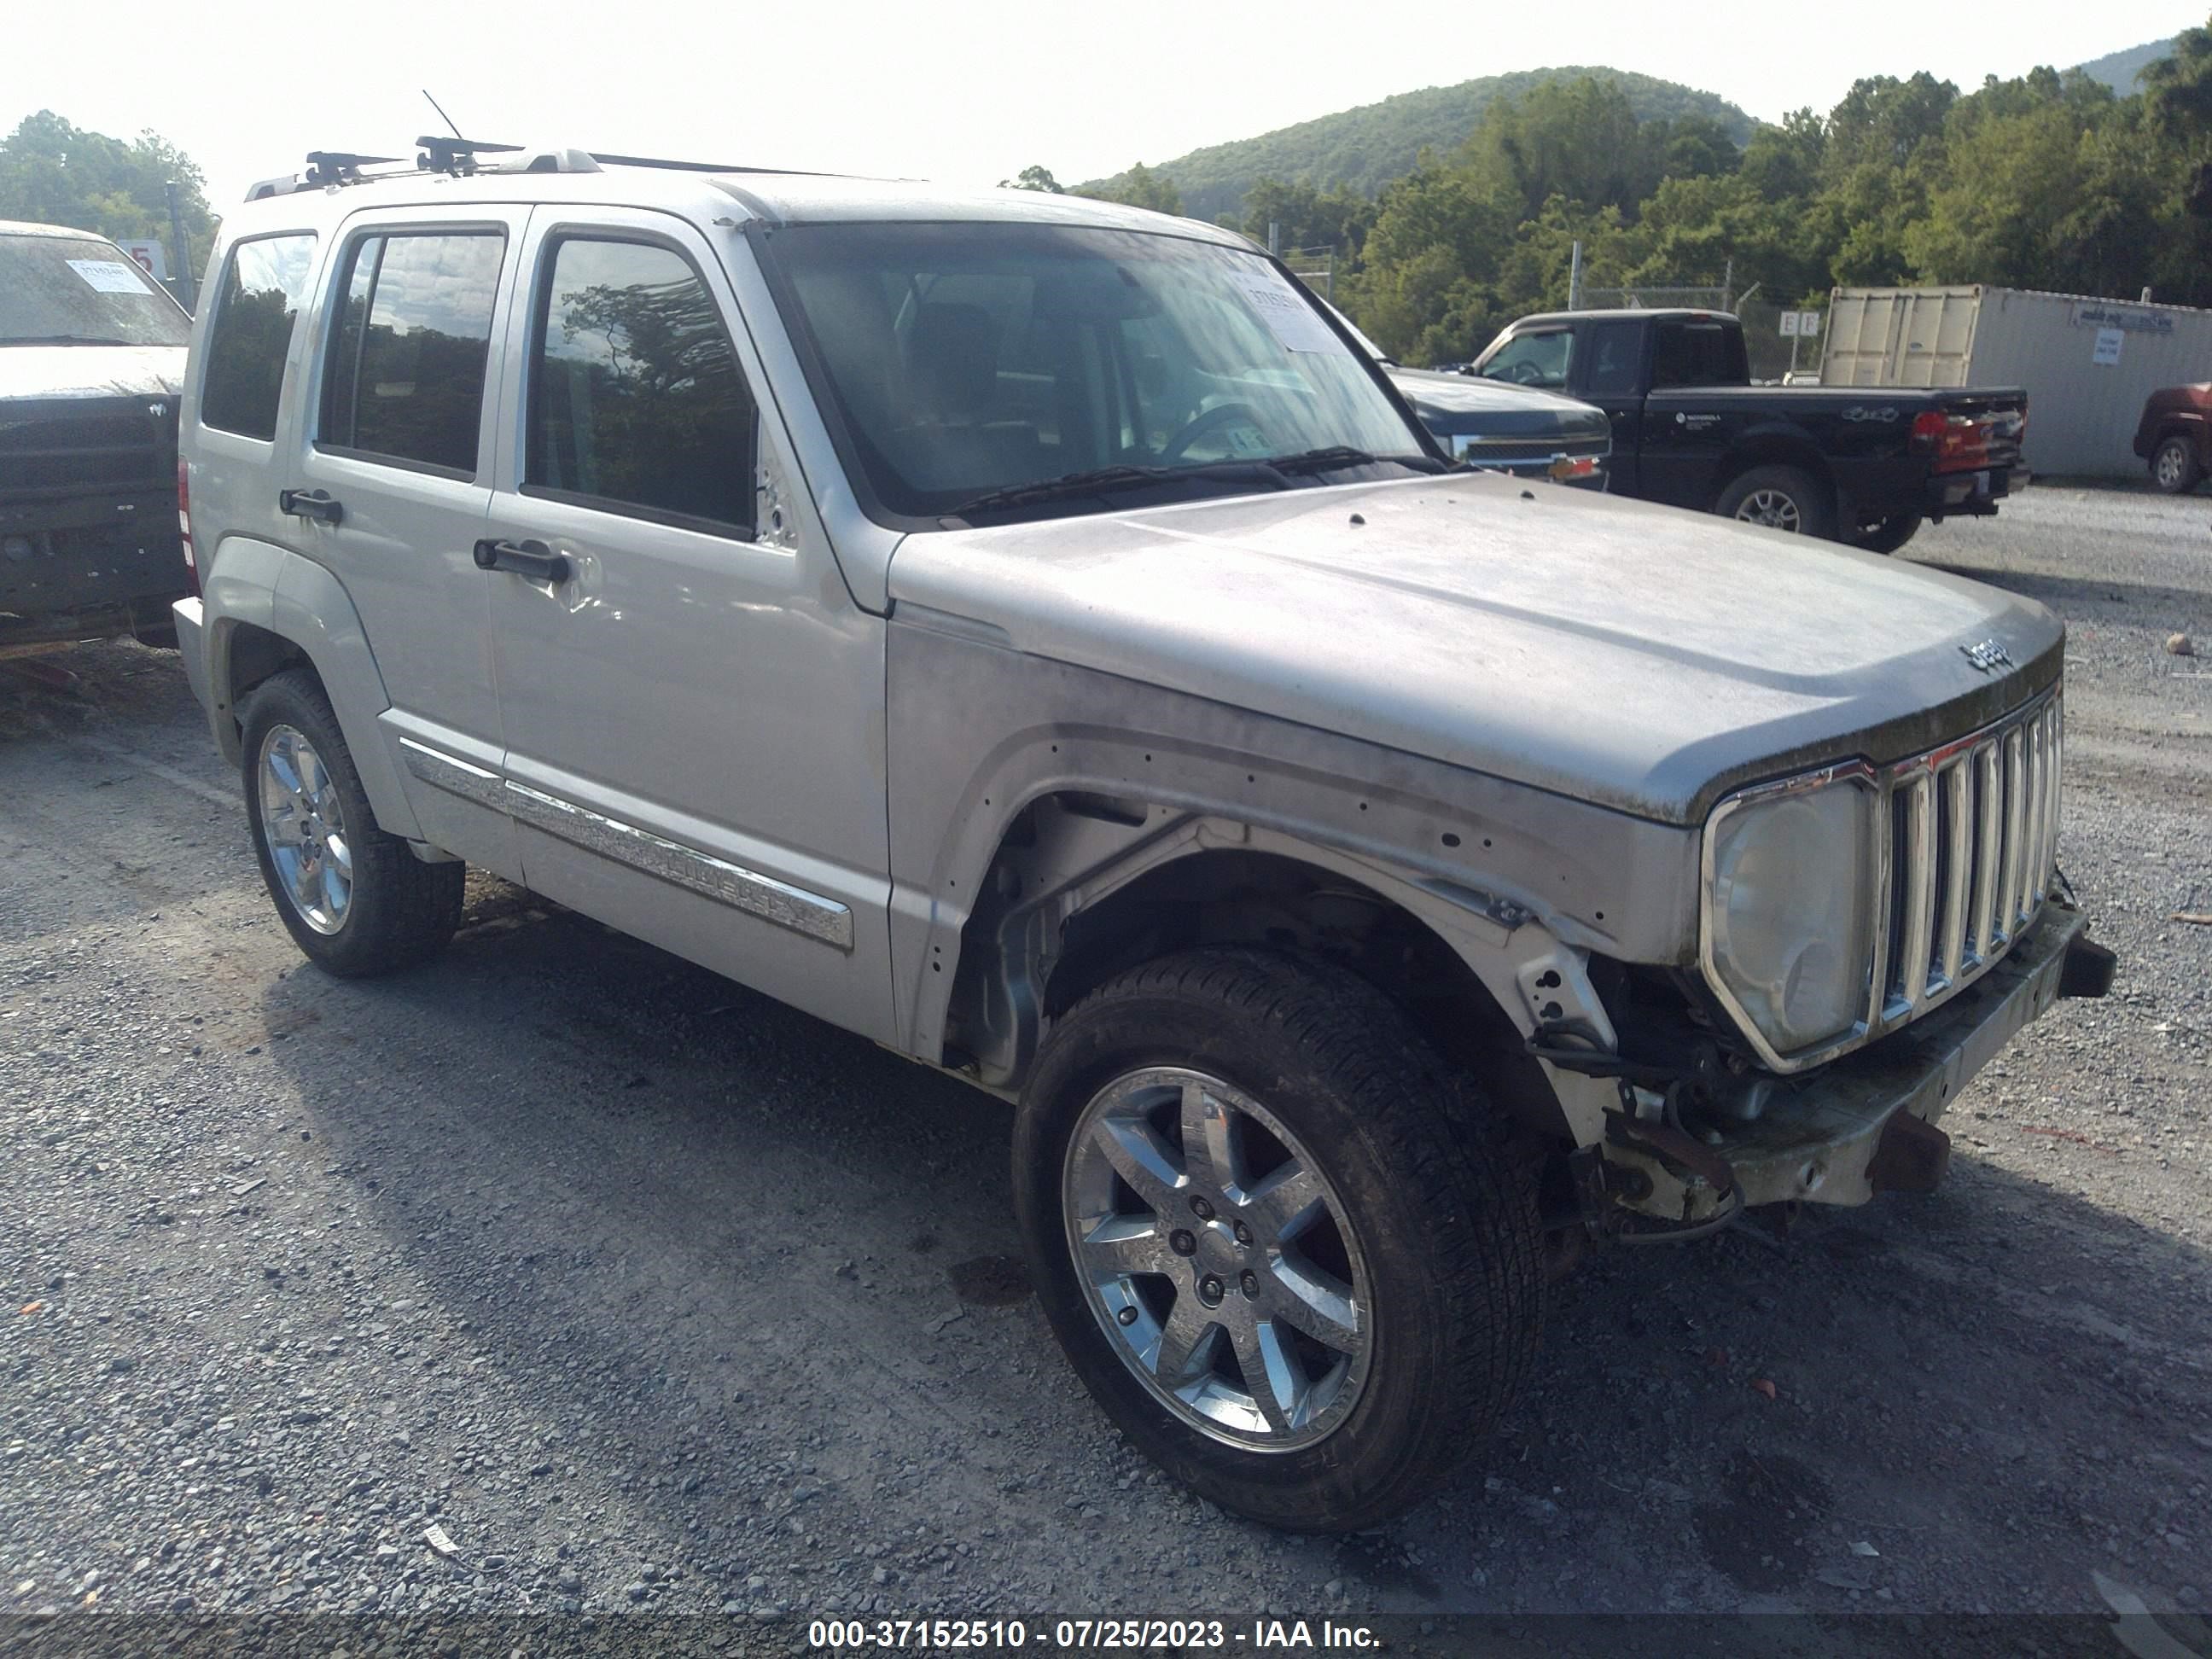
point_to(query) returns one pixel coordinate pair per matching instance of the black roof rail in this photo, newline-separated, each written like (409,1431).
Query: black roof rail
(457,155)
(608,159)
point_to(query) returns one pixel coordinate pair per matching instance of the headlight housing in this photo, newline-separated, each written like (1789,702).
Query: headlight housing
(1788,933)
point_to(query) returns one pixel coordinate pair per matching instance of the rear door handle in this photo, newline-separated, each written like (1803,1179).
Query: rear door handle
(309,504)
(531,559)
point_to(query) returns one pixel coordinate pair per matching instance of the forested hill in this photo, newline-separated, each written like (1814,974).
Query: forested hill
(2118,70)
(1366,147)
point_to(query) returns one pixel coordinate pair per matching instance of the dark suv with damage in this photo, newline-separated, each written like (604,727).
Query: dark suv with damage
(92,357)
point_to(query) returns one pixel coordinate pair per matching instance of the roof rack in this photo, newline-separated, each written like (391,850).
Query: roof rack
(326,170)
(459,158)
(338,166)
(457,155)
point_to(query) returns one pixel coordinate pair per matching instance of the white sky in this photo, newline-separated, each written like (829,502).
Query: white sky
(966,93)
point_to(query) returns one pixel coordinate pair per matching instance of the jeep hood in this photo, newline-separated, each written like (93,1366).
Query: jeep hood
(88,370)
(1639,657)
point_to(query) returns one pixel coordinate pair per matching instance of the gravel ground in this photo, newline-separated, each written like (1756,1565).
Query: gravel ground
(562,1275)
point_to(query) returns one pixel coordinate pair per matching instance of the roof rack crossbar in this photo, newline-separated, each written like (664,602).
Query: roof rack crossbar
(340,167)
(457,155)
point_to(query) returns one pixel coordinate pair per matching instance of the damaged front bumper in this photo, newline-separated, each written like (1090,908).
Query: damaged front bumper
(1864,1123)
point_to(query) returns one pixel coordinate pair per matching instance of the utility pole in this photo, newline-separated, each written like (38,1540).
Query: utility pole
(184,252)
(1275,239)
(1575,278)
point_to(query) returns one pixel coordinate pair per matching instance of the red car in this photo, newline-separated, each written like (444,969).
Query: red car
(2175,436)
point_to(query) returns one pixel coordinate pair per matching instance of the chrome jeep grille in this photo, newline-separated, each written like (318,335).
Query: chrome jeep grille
(1973,833)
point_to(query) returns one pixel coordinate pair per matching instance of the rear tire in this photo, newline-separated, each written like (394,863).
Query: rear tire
(1889,535)
(355,900)
(1410,1225)
(1786,498)
(2174,468)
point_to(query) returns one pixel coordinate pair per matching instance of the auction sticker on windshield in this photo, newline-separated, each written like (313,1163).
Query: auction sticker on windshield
(1294,323)
(110,276)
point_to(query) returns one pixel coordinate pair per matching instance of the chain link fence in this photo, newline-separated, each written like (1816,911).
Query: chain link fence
(1315,267)
(1694,296)
(1773,354)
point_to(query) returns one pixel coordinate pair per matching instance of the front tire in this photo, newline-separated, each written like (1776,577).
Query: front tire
(355,900)
(2174,467)
(1889,535)
(1297,1266)
(1786,498)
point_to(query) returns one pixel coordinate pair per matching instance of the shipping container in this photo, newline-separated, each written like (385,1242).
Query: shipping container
(2087,364)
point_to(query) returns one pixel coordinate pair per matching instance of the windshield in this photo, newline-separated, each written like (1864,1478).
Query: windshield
(69,290)
(973,359)
(1537,360)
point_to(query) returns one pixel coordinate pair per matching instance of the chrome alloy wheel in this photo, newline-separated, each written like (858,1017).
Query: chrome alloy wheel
(2172,465)
(1771,506)
(305,829)
(1217,1259)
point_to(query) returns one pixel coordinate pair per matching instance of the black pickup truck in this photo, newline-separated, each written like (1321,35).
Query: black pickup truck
(1863,464)
(92,359)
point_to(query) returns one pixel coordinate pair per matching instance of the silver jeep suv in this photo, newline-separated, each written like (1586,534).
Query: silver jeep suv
(1028,632)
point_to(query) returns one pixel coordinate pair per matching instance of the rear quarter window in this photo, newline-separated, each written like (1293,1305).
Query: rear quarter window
(262,285)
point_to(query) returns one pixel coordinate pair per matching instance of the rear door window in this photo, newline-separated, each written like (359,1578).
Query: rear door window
(1695,353)
(1611,361)
(251,332)
(406,376)
(636,400)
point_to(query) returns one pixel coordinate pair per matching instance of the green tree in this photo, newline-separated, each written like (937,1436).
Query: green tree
(1033,178)
(2177,101)
(1306,218)
(1694,228)
(2047,180)
(1579,140)
(1885,121)
(1140,187)
(54,172)
(1432,255)
(1692,147)
(2042,185)
(1786,161)
(2178,89)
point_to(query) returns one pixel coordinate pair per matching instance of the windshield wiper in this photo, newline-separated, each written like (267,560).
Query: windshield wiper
(1105,479)
(1276,470)
(62,339)
(1337,455)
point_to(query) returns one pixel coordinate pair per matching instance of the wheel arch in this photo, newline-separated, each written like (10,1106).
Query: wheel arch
(1082,888)
(1773,448)
(269,608)
(2194,430)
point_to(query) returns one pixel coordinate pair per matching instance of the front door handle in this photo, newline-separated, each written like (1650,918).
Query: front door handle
(309,504)
(531,559)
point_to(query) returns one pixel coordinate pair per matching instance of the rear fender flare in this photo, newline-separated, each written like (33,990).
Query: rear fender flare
(256,584)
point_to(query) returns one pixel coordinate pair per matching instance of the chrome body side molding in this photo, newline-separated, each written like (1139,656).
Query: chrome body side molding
(757,895)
